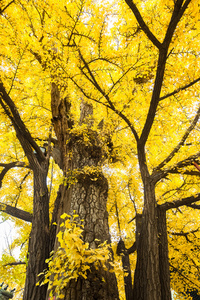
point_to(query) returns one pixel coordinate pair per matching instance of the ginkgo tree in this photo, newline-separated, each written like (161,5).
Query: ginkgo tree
(112,85)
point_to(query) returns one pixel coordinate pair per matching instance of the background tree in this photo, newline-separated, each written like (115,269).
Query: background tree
(123,59)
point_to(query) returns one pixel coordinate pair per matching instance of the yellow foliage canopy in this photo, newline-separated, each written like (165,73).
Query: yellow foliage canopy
(99,52)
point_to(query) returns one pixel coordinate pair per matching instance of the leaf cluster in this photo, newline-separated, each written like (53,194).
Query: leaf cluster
(73,258)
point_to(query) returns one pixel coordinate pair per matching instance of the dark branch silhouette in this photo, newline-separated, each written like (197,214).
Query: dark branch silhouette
(16,212)
(181,143)
(180,89)
(177,203)
(7,167)
(3,9)
(15,263)
(143,25)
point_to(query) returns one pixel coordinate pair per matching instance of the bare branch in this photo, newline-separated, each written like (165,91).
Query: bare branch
(2,10)
(177,203)
(16,212)
(183,233)
(131,198)
(15,263)
(178,168)
(92,79)
(180,144)
(180,89)
(176,16)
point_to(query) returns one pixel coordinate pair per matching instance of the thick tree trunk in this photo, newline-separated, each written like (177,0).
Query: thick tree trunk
(152,276)
(87,195)
(147,277)
(88,199)
(39,238)
(163,255)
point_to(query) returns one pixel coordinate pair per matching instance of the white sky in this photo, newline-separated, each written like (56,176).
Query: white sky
(7,233)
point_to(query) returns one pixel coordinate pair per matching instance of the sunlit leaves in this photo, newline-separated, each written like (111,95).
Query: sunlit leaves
(73,258)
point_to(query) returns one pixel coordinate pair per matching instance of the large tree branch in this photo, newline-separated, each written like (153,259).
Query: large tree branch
(23,134)
(180,89)
(195,206)
(184,163)
(177,203)
(176,16)
(180,144)
(178,168)
(142,24)
(132,249)
(184,172)
(155,98)
(185,234)
(179,9)
(16,212)
(7,167)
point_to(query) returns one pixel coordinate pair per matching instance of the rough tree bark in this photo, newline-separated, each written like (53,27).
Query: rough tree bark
(39,238)
(87,195)
(146,280)
(163,255)
(152,276)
